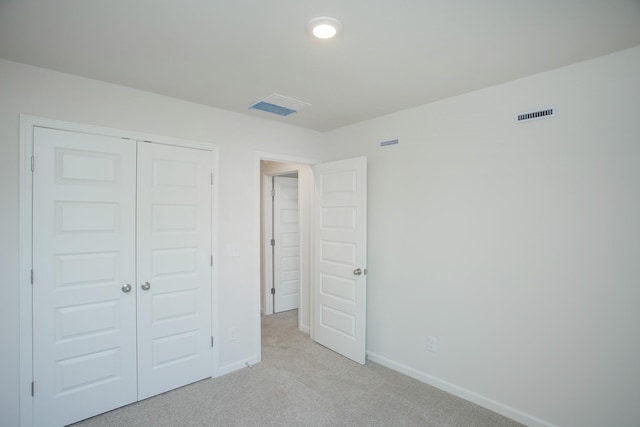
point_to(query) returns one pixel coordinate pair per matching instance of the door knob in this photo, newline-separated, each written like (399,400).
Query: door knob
(126,288)
(146,286)
(357,272)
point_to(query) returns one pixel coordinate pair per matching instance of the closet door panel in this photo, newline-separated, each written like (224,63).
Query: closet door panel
(84,324)
(174,270)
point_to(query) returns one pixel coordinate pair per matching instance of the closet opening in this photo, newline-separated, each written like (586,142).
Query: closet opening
(120,232)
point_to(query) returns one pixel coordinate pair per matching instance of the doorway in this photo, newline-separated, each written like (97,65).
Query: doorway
(332,201)
(284,239)
(99,203)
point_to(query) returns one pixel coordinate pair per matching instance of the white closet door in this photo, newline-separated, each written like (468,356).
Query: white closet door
(286,231)
(174,267)
(84,333)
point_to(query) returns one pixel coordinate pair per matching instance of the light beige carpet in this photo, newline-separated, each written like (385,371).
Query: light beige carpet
(300,383)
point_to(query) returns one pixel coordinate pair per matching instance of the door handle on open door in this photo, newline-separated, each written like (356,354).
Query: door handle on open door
(357,272)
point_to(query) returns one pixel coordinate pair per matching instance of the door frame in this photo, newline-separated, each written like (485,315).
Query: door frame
(305,238)
(27,125)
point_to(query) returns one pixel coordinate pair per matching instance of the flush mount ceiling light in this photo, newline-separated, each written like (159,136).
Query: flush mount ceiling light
(324,27)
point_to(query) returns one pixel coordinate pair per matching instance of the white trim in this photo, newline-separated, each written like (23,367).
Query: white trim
(215,273)
(27,124)
(305,208)
(311,188)
(267,265)
(26,291)
(478,399)
(304,328)
(120,133)
(240,364)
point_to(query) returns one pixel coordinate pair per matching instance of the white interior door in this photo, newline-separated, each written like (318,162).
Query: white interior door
(174,267)
(84,334)
(340,283)
(286,252)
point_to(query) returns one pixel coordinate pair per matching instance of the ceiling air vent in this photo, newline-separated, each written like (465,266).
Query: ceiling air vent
(535,115)
(280,105)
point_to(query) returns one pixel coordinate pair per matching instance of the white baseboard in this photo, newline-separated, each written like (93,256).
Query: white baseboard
(235,366)
(500,408)
(304,328)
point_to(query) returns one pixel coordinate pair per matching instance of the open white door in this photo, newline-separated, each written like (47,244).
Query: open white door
(340,234)
(286,251)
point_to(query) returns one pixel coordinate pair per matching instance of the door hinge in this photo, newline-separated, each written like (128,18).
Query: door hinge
(33,163)
(273,242)
(273,291)
(211,342)
(33,388)
(32,276)
(211,260)
(273,193)
(212,179)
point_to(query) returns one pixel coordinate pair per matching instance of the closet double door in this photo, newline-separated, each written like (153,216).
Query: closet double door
(122,272)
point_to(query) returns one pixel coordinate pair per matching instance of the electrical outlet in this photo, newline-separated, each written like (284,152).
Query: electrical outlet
(233,334)
(432,344)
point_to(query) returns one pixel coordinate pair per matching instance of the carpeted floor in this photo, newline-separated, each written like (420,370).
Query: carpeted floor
(300,383)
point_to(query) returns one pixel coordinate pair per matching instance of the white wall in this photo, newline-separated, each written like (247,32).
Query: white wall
(38,92)
(516,245)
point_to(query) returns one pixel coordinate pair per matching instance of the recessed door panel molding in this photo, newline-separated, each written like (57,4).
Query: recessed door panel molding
(84,335)
(71,320)
(174,305)
(339,285)
(88,217)
(174,218)
(339,182)
(175,349)
(338,218)
(290,239)
(290,267)
(342,253)
(180,261)
(86,269)
(88,371)
(339,322)
(173,173)
(86,167)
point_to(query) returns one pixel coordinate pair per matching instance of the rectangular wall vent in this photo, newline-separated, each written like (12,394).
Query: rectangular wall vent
(535,115)
(390,143)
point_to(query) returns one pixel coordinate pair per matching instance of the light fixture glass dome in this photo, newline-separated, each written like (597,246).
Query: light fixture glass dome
(324,27)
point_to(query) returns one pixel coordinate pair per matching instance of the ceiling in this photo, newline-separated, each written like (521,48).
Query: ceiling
(390,55)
